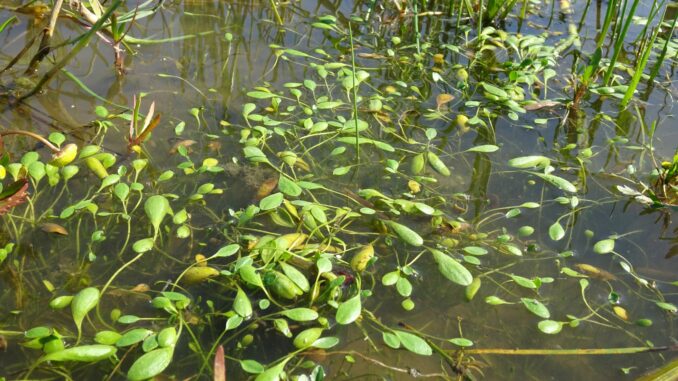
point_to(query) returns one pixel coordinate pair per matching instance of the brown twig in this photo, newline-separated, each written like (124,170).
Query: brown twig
(32,135)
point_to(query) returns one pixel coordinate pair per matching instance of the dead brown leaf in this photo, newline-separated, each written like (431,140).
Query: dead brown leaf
(184,143)
(266,188)
(14,195)
(442,99)
(49,227)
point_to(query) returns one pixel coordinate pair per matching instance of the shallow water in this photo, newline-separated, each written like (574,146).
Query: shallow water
(213,73)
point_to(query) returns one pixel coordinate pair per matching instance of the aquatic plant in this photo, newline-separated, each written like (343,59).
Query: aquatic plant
(316,224)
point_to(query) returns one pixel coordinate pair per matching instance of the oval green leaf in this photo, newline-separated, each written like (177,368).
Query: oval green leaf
(406,234)
(150,365)
(452,269)
(84,353)
(349,310)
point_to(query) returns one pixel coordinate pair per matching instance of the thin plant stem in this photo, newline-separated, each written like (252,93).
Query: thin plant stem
(567,352)
(32,135)
(416,26)
(355,93)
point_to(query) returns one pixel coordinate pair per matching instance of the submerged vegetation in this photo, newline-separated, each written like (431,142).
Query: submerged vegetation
(379,190)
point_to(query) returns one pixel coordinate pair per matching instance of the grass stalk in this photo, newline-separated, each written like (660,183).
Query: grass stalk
(278,19)
(619,41)
(606,24)
(639,69)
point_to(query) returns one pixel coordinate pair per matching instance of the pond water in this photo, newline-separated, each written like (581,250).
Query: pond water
(231,85)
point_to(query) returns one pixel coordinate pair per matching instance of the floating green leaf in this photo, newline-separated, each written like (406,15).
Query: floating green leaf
(83,302)
(414,343)
(156,208)
(523,282)
(271,202)
(325,342)
(494,90)
(437,164)
(150,364)
(604,246)
(260,94)
(241,304)
(559,182)
(486,148)
(307,337)
(524,162)
(668,307)
(296,276)
(536,307)
(143,245)
(252,366)
(556,231)
(452,269)
(132,337)
(273,373)
(83,353)
(406,234)
(550,327)
(391,339)
(461,342)
(349,310)
(167,337)
(288,186)
(472,289)
(300,314)
(495,300)
(475,250)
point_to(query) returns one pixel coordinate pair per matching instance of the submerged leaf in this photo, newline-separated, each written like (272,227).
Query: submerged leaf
(49,227)
(266,188)
(13,195)
(442,99)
